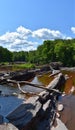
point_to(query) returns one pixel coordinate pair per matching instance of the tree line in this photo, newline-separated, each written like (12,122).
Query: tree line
(50,51)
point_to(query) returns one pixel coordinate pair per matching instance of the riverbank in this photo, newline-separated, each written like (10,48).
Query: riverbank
(68,69)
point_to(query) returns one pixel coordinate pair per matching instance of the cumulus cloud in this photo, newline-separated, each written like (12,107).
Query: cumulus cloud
(24,31)
(68,38)
(45,33)
(26,46)
(26,39)
(73,29)
(9,36)
(20,34)
(16,40)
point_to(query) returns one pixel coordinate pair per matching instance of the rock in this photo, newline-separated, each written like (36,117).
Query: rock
(38,112)
(63,94)
(60,125)
(72,90)
(24,114)
(21,76)
(56,65)
(57,115)
(60,107)
(1,119)
(8,126)
(46,105)
(66,76)
(45,68)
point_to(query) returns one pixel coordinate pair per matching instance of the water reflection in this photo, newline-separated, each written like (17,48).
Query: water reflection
(44,79)
(29,88)
(8,104)
(8,90)
(67,116)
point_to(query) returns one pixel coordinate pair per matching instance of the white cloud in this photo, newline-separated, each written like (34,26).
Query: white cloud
(73,29)
(26,39)
(23,30)
(68,38)
(45,33)
(9,36)
(23,46)
(16,40)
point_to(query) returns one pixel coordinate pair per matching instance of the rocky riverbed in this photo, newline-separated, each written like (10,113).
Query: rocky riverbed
(64,122)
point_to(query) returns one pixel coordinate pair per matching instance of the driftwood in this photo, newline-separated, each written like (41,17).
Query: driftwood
(31,84)
(38,112)
(55,72)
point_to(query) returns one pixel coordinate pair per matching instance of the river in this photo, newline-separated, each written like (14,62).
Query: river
(9,103)
(11,97)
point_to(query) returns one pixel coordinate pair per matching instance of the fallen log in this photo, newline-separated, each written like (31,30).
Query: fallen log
(57,82)
(31,84)
(54,72)
(37,112)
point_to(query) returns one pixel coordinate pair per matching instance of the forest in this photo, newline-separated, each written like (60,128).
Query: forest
(50,51)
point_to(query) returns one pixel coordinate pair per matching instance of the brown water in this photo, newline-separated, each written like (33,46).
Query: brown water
(70,82)
(67,116)
(45,79)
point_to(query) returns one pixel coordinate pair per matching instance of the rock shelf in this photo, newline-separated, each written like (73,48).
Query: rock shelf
(38,112)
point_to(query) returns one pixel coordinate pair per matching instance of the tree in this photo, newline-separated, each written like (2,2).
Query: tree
(5,55)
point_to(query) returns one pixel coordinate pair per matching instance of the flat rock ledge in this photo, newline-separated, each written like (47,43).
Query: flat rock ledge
(38,112)
(8,126)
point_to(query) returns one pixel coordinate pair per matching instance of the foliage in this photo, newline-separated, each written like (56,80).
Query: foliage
(20,56)
(50,51)
(23,66)
(5,55)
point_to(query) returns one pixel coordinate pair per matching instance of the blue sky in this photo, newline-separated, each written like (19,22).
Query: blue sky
(25,24)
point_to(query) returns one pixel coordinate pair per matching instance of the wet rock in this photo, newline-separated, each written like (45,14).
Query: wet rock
(1,74)
(72,90)
(37,112)
(45,68)
(8,127)
(66,76)
(21,76)
(57,115)
(56,65)
(18,76)
(1,119)
(60,125)
(24,114)
(46,105)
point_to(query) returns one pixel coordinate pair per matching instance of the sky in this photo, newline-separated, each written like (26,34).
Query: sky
(25,24)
